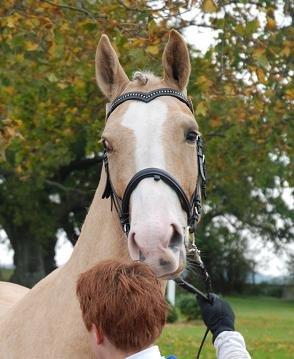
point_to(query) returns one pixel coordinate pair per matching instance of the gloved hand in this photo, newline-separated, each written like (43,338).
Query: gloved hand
(217,315)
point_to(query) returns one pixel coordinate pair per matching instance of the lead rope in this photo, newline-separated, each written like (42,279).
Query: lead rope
(202,343)
(196,266)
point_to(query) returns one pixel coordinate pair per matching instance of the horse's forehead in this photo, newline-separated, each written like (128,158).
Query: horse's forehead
(140,116)
(147,123)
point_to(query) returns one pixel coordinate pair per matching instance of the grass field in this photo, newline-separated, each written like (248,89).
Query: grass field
(5,274)
(267,325)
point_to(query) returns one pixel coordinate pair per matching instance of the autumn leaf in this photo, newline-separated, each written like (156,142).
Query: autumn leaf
(209,6)
(13,20)
(31,46)
(10,90)
(52,77)
(289,94)
(286,51)
(153,49)
(80,84)
(201,109)
(271,23)
(260,75)
(229,89)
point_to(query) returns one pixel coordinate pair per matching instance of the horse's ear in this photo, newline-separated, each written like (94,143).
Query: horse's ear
(176,61)
(110,75)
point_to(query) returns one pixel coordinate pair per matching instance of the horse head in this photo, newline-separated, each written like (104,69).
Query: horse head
(160,134)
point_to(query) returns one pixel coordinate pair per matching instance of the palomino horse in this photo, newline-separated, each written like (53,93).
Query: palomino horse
(45,322)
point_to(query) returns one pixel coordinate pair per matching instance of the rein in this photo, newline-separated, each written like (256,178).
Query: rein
(192,206)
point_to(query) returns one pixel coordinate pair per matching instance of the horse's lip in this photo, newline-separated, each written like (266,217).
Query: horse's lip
(172,275)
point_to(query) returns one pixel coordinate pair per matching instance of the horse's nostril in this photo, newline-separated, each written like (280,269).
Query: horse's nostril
(176,239)
(141,256)
(133,247)
(163,262)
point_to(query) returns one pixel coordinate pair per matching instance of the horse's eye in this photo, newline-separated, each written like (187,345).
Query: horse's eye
(191,137)
(107,146)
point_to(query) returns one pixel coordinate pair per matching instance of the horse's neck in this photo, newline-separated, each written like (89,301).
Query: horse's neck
(54,296)
(101,236)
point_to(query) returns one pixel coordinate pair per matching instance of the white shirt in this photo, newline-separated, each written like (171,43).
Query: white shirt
(228,345)
(149,353)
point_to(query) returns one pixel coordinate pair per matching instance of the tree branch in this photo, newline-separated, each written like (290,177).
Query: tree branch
(81,10)
(77,165)
(64,188)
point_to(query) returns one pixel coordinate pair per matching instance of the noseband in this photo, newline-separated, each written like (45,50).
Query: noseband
(193,206)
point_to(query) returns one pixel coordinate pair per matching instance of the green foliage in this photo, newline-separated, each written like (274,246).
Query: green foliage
(5,274)
(172,315)
(51,117)
(223,253)
(189,307)
(290,265)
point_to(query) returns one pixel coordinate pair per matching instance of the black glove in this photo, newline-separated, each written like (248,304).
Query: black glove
(217,315)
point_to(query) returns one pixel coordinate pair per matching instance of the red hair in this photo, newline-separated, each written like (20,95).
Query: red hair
(125,301)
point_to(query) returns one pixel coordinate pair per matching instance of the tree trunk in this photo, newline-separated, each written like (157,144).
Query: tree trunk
(28,257)
(48,256)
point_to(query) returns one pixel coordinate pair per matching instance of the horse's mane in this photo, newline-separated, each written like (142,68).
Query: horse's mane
(143,77)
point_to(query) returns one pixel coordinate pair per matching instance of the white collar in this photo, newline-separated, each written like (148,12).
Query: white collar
(149,353)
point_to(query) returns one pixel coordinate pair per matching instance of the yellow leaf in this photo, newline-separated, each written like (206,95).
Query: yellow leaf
(201,109)
(2,154)
(290,94)
(52,50)
(11,132)
(136,42)
(10,90)
(68,132)
(19,57)
(286,51)
(31,46)
(80,84)
(215,122)
(229,90)
(271,23)
(152,27)
(62,85)
(12,20)
(209,6)
(18,169)
(204,83)
(152,49)
(260,75)
(52,77)
(258,52)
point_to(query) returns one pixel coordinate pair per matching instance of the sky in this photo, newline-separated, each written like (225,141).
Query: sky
(269,261)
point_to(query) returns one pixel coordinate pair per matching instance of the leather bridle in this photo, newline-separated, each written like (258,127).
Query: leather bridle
(192,207)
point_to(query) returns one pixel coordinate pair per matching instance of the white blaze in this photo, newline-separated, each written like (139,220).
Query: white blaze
(146,121)
(154,205)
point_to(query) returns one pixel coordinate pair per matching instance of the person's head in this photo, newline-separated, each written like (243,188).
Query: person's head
(122,305)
